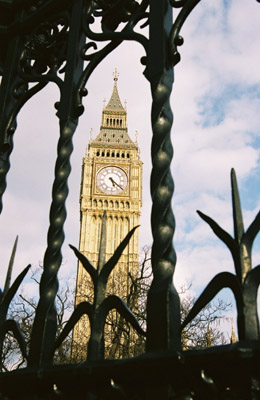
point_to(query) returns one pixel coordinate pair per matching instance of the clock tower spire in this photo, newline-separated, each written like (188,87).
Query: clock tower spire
(111,182)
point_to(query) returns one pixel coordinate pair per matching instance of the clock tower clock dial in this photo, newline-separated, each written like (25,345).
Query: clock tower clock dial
(111,180)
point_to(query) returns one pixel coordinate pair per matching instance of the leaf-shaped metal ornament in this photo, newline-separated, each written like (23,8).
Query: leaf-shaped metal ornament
(253,230)
(113,302)
(250,328)
(101,306)
(13,327)
(11,293)
(84,308)
(10,267)
(86,264)
(102,246)
(219,282)
(246,283)
(111,263)
(237,212)
(227,239)
(220,232)
(5,300)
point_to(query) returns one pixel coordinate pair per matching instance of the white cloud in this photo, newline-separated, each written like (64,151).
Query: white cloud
(215,103)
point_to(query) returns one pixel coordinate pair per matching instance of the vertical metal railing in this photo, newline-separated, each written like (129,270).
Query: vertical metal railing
(163,309)
(44,328)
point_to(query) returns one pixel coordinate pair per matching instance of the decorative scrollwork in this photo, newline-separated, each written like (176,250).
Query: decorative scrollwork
(130,14)
(178,3)
(37,60)
(175,39)
(113,12)
(44,51)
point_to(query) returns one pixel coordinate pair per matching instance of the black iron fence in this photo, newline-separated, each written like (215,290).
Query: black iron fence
(49,41)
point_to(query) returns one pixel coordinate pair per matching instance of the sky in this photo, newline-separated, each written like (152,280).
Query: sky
(215,101)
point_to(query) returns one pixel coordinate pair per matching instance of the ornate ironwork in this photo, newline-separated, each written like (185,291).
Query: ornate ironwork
(175,39)
(245,283)
(49,41)
(10,325)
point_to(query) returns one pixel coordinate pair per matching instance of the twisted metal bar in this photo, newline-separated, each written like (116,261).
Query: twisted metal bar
(4,168)
(44,329)
(163,306)
(163,300)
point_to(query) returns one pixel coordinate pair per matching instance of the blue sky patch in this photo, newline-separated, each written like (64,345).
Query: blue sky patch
(214,108)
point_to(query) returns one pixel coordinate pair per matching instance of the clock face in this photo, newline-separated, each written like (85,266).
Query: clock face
(111,180)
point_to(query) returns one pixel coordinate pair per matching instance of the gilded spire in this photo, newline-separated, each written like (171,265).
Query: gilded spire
(116,75)
(113,129)
(114,103)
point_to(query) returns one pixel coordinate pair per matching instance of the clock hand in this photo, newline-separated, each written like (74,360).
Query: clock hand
(120,187)
(112,180)
(114,183)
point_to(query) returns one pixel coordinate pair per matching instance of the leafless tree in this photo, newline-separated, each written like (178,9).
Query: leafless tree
(203,331)
(120,339)
(22,310)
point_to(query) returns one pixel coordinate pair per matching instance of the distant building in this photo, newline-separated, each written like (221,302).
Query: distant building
(233,337)
(111,181)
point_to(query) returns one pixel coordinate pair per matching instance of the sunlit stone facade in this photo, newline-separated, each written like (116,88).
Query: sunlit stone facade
(111,181)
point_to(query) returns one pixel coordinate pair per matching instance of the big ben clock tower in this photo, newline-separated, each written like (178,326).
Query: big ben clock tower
(111,181)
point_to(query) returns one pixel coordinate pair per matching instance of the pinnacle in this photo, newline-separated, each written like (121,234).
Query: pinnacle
(114,103)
